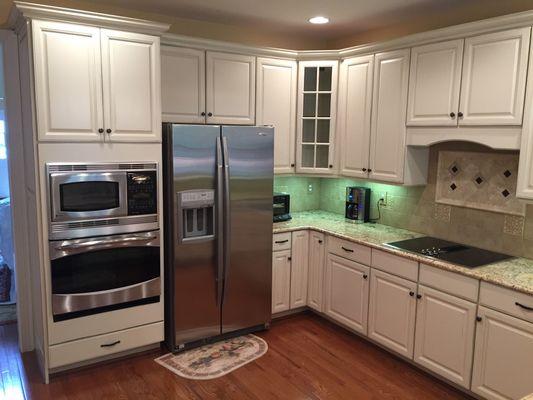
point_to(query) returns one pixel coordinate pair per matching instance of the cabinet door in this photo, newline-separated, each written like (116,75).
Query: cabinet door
(317,104)
(434,82)
(230,93)
(132,88)
(299,268)
(183,85)
(355,107)
(68,82)
(387,142)
(276,106)
(281,281)
(316,271)
(444,340)
(391,319)
(494,78)
(347,292)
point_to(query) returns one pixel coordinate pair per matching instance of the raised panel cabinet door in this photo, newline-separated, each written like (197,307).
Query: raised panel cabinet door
(355,106)
(230,90)
(389,102)
(132,86)
(503,358)
(276,106)
(444,339)
(317,255)
(68,82)
(494,78)
(347,292)
(281,281)
(434,83)
(391,315)
(182,85)
(299,268)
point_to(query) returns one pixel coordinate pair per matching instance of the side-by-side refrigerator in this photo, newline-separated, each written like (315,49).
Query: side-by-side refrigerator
(218,184)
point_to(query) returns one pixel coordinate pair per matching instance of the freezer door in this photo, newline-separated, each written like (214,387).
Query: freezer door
(193,295)
(248,228)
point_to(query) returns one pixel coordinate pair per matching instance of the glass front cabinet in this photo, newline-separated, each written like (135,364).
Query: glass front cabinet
(317,105)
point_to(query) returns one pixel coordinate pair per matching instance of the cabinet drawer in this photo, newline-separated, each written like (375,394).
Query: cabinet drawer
(449,282)
(349,250)
(281,241)
(103,345)
(506,300)
(395,265)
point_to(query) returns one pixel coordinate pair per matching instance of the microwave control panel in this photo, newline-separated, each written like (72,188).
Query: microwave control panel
(142,193)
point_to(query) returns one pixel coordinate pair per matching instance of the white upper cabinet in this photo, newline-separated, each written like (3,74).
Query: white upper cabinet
(387,143)
(317,105)
(355,106)
(183,85)
(434,83)
(68,81)
(276,106)
(494,78)
(230,90)
(131,82)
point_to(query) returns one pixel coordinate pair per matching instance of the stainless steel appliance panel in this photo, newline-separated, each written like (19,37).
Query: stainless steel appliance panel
(248,153)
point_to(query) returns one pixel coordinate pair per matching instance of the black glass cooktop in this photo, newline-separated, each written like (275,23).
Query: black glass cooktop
(454,253)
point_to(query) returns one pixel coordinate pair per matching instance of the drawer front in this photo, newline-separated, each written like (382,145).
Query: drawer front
(395,265)
(349,250)
(281,241)
(104,345)
(449,282)
(514,303)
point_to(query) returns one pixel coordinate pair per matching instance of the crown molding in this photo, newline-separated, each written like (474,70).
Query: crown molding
(24,10)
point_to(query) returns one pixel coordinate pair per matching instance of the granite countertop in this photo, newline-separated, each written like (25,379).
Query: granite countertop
(515,273)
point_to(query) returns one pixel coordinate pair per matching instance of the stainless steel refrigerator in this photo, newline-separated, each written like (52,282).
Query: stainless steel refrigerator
(218,231)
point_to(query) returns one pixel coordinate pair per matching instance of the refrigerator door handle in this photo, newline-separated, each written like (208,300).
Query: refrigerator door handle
(227,214)
(219,212)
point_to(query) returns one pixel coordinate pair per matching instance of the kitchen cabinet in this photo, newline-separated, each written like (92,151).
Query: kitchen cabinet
(503,360)
(355,106)
(434,83)
(391,314)
(183,85)
(444,339)
(317,255)
(107,89)
(230,88)
(276,106)
(281,281)
(347,292)
(317,104)
(299,268)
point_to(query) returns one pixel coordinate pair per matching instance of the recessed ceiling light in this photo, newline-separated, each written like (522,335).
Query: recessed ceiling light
(319,20)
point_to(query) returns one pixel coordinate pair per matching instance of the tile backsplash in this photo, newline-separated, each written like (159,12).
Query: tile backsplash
(416,209)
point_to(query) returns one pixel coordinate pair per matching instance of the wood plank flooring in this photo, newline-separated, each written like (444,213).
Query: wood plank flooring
(308,358)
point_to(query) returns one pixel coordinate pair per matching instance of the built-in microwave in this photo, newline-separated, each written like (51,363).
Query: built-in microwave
(101,199)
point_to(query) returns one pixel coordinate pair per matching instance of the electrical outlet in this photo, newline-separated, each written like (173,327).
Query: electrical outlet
(384,197)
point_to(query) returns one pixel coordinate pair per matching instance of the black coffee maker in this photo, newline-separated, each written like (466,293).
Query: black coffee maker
(358,203)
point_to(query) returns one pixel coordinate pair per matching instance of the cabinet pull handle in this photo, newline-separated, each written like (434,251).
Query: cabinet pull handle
(108,130)
(369,169)
(348,250)
(289,258)
(282,241)
(411,293)
(460,114)
(331,165)
(365,276)
(110,344)
(319,240)
(452,114)
(364,169)
(292,165)
(210,114)
(479,319)
(202,113)
(418,296)
(523,306)
(101,130)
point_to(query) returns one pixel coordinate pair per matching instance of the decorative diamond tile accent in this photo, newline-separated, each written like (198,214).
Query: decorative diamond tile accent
(513,225)
(505,193)
(478,180)
(453,186)
(442,212)
(454,169)
(507,173)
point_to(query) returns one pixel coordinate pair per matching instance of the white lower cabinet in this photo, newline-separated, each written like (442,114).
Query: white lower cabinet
(315,279)
(347,292)
(299,262)
(281,281)
(444,338)
(391,318)
(503,360)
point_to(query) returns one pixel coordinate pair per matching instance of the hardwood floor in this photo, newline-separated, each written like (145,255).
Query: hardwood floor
(308,358)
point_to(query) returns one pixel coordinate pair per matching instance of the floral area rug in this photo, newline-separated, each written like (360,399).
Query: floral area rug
(216,359)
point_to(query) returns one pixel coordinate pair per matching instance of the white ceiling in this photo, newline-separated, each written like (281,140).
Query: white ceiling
(290,16)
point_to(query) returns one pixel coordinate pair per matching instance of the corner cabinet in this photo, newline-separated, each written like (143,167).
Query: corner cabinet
(315,288)
(107,89)
(317,104)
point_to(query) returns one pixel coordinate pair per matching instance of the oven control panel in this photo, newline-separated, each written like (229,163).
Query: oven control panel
(142,193)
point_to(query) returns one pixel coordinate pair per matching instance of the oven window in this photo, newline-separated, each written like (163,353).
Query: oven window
(89,196)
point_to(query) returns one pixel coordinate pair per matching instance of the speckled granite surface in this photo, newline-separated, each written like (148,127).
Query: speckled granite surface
(516,273)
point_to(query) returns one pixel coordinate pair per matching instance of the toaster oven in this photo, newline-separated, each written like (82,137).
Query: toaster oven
(282,207)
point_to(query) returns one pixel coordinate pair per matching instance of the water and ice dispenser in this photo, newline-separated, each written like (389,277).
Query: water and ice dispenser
(197,211)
